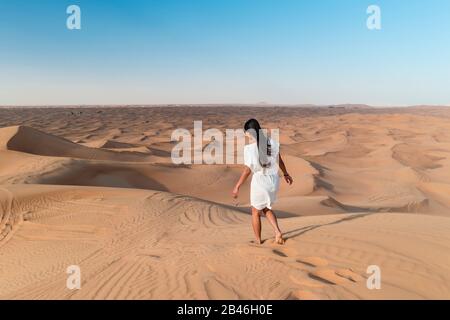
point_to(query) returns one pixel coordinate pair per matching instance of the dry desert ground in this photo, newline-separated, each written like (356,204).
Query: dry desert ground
(96,187)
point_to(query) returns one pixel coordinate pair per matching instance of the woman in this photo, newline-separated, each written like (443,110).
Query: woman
(262,157)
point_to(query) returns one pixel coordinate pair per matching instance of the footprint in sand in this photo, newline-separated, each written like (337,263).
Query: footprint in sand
(328,275)
(285,252)
(349,274)
(320,272)
(336,277)
(302,295)
(298,278)
(280,253)
(313,261)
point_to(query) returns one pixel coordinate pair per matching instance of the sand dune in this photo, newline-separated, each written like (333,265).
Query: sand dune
(95,187)
(29,140)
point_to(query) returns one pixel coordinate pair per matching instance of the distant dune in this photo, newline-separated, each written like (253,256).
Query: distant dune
(96,187)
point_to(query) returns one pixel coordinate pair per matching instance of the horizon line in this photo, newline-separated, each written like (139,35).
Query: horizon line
(261,104)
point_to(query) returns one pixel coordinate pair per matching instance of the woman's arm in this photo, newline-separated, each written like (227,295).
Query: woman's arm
(241,181)
(287,177)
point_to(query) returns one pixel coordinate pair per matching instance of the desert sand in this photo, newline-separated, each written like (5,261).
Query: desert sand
(95,187)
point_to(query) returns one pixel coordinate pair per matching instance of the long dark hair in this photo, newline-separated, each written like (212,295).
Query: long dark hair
(264,148)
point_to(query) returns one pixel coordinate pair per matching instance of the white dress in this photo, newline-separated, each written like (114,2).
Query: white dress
(265,181)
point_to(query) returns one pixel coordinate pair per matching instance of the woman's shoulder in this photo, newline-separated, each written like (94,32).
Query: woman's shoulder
(250,150)
(250,146)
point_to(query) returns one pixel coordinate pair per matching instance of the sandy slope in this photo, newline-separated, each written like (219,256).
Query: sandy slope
(371,188)
(133,244)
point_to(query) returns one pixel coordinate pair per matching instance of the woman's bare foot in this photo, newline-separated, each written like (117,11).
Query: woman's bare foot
(257,241)
(279,239)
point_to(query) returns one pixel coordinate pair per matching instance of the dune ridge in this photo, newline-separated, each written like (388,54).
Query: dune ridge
(29,140)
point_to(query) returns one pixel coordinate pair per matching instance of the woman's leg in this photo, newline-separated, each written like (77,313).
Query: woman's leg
(256,222)
(273,221)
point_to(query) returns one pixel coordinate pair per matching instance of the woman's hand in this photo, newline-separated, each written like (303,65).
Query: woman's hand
(288,179)
(287,176)
(241,181)
(235,192)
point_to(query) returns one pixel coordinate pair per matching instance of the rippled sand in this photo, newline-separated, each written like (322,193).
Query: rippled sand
(95,187)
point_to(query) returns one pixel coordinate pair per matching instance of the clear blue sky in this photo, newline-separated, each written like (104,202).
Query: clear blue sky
(224,51)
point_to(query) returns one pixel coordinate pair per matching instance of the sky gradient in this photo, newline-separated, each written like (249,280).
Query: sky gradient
(224,51)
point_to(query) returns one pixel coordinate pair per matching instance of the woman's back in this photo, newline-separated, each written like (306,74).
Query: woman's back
(252,159)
